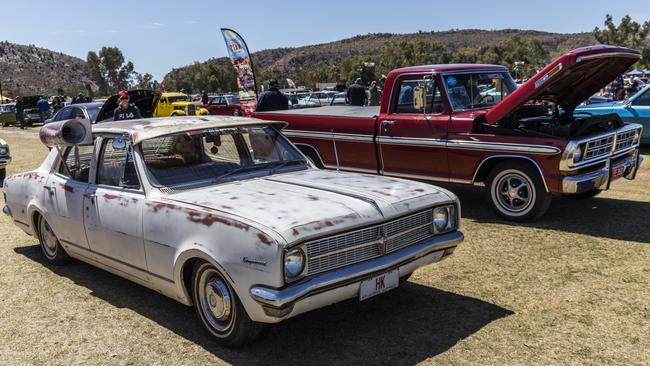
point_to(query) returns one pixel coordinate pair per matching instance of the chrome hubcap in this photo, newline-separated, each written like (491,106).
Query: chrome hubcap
(216,300)
(48,239)
(514,192)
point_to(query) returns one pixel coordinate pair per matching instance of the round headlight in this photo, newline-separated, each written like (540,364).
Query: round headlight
(637,137)
(577,155)
(3,150)
(294,263)
(441,219)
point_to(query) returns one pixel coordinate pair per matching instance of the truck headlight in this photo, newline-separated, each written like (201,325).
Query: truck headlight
(637,137)
(577,155)
(3,150)
(294,263)
(444,219)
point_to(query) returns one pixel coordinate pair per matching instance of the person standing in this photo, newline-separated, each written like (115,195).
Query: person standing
(357,94)
(272,99)
(125,110)
(20,112)
(374,93)
(43,108)
(204,97)
(57,104)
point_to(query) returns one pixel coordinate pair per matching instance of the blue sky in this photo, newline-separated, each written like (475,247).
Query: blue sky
(159,35)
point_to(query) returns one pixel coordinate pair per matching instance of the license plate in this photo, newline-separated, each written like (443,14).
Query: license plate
(618,172)
(378,285)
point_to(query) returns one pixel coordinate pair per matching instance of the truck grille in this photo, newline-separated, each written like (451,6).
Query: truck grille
(368,243)
(599,147)
(191,110)
(625,139)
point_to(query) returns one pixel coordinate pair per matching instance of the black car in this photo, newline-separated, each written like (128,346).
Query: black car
(82,110)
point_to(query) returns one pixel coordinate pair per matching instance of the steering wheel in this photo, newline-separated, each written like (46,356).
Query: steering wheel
(486,96)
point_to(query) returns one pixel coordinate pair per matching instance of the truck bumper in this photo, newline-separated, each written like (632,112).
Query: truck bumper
(4,161)
(602,178)
(342,284)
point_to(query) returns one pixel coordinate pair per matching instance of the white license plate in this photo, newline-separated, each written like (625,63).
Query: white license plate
(618,172)
(378,285)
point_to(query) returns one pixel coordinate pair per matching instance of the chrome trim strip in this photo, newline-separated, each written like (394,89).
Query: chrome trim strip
(607,54)
(286,296)
(350,169)
(329,135)
(411,141)
(471,145)
(423,177)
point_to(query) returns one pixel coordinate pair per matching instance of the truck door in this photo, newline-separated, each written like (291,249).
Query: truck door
(412,138)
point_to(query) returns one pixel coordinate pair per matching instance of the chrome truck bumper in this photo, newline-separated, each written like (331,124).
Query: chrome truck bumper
(602,178)
(342,284)
(4,161)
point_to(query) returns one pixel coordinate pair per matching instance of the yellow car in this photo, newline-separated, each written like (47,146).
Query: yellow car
(177,104)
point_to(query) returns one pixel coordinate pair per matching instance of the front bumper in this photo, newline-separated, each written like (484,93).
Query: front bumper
(4,161)
(342,284)
(602,178)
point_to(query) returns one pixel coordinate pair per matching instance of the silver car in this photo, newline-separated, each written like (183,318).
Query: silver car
(225,214)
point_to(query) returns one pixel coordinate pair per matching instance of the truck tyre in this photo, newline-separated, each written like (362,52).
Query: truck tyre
(584,195)
(236,112)
(516,191)
(219,308)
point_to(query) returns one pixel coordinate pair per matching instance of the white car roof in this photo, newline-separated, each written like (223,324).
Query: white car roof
(148,128)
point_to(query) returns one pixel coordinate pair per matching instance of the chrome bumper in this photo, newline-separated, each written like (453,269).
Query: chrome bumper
(4,161)
(344,283)
(601,179)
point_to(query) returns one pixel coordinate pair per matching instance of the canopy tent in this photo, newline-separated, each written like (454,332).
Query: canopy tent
(5,99)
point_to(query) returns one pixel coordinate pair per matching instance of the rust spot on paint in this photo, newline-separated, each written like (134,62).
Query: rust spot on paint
(162,205)
(234,198)
(108,196)
(313,198)
(67,188)
(264,239)
(296,232)
(208,219)
(382,193)
(226,207)
(134,200)
(419,190)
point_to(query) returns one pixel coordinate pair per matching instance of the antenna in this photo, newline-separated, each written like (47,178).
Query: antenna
(336,153)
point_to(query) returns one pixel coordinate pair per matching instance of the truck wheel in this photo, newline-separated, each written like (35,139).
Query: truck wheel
(219,308)
(584,195)
(236,112)
(50,245)
(517,192)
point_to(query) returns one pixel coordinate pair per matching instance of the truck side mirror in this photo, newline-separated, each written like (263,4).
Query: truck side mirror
(419,98)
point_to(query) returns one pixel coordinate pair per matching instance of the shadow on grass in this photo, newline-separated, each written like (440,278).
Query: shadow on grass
(406,326)
(600,217)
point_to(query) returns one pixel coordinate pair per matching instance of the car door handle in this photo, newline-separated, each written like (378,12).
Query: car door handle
(90,195)
(387,122)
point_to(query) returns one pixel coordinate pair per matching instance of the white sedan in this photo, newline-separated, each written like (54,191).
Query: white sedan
(225,214)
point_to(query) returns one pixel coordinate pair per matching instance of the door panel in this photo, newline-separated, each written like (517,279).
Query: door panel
(65,211)
(412,142)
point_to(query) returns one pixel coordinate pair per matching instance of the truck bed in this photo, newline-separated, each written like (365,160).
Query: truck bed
(331,111)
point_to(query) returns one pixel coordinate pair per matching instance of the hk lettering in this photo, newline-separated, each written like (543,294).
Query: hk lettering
(379,283)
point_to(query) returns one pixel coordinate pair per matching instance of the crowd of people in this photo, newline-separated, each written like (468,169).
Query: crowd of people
(622,88)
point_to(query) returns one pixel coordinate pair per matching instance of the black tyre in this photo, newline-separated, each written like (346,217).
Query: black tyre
(516,191)
(219,308)
(236,112)
(584,195)
(50,245)
(405,278)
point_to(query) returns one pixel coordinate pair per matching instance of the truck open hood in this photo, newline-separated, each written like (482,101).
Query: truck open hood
(145,100)
(570,79)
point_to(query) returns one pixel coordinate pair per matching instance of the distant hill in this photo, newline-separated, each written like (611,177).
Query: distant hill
(288,60)
(27,69)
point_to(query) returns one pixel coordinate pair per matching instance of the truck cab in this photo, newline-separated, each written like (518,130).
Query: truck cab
(471,124)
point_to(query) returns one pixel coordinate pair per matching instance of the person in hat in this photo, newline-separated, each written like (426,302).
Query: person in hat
(125,110)
(356,94)
(272,99)
(20,112)
(204,97)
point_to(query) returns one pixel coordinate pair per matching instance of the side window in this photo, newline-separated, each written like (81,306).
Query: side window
(77,161)
(116,167)
(643,100)
(78,113)
(64,114)
(406,91)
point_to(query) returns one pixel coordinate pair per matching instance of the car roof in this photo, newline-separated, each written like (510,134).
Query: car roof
(174,94)
(87,105)
(148,128)
(448,68)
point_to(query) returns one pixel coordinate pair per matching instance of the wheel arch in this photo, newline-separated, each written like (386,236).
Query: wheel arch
(185,263)
(487,164)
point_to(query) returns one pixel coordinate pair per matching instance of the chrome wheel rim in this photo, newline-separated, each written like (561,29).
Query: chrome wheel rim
(49,242)
(514,192)
(216,301)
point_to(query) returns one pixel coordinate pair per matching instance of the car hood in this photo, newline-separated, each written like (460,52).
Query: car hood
(570,79)
(313,203)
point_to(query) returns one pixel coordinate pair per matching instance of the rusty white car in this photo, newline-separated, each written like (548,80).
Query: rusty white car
(5,158)
(225,214)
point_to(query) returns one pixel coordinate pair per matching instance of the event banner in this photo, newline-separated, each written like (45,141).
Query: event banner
(241,61)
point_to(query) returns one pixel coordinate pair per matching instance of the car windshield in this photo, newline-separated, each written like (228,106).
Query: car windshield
(206,157)
(478,90)
(92,113)
(179,98)
(232,100)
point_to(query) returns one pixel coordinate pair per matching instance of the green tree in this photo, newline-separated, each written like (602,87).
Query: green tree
(144,81)
(109,70)
(627,33)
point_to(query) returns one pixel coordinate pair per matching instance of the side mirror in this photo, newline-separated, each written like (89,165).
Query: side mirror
(419,98)
(627,105)
(119,144)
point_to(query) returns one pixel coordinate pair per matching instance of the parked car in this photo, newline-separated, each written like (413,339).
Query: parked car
(5,159)
(226,214)
(32,114)
(321,98)
(224,105)
(434,124)
(8,114)
(87,111)
(153,104)
(635,109)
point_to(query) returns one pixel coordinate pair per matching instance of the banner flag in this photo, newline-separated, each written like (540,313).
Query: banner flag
(241,61)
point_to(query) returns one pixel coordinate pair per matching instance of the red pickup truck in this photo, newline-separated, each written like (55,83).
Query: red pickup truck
(471,124)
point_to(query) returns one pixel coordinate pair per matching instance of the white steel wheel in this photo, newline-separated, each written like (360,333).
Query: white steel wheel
(517,192)
(50,245)
(219,309)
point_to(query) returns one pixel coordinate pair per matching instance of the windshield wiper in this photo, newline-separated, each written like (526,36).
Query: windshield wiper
(282,163)
(241,169)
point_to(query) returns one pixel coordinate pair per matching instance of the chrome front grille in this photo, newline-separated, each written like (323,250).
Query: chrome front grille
(599,147)
(191,110)
(625,139)
(368,243)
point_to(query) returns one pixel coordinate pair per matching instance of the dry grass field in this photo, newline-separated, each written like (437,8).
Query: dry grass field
(573,288)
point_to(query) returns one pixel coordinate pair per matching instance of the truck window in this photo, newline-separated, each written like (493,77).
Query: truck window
(406,88)
(478,90)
